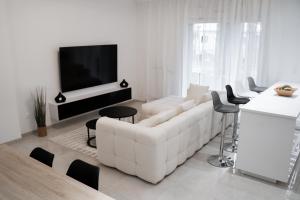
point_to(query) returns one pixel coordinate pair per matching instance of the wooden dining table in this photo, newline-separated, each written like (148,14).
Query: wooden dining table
(23,178)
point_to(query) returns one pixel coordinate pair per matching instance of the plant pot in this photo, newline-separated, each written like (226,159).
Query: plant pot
(42,131)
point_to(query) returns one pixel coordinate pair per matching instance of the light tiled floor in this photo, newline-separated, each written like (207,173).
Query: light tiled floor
(195,179)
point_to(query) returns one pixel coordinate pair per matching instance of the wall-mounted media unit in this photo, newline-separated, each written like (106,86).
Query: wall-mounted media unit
(61,111)
(87,66)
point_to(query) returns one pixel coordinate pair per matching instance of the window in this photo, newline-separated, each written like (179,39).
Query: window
(238,51)
(250,48)
(203,52)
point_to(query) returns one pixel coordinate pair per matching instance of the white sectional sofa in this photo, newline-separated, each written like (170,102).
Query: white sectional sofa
(166,103)
(154,147)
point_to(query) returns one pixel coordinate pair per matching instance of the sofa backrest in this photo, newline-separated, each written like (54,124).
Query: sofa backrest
(183,121)
(166,115)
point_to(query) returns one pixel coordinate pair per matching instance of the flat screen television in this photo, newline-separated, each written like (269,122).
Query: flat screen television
(87,66)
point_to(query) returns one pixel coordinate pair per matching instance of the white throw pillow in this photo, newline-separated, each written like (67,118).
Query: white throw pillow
(185,106)
(167,115)
(159,118)
(150,122)
(196,92)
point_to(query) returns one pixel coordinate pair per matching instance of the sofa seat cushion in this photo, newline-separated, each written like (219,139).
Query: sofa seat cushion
(154,107)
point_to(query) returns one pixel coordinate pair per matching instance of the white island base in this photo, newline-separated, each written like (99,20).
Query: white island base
(267,133)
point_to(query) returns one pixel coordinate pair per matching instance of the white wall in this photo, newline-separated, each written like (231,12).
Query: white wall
(9,123)
(37,28)
(142,31)
(283,56)
(40,27)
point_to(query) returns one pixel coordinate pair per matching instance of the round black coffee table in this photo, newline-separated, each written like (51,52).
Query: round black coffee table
(91,125)
(118,112)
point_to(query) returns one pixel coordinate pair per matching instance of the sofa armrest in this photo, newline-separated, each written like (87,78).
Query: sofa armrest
(131,148)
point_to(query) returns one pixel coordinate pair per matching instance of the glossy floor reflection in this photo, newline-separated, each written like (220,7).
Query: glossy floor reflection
(294,183)
(195,179)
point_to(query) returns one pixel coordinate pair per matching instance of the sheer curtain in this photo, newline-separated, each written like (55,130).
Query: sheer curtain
(234,29)
(164,47)
(233,49)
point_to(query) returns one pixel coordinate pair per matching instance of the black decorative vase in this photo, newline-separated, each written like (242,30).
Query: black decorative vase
(60,98)
(124,84)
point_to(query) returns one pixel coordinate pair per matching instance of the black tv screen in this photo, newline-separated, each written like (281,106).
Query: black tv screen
(87,66)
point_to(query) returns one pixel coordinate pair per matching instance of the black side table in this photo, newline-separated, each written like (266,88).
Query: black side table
(91,125)
(118,112)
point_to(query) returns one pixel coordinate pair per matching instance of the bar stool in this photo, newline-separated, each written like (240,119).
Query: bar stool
(231,98)
(220,160)
(253,87)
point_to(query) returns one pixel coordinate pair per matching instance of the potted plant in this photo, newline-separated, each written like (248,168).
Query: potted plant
(40,111)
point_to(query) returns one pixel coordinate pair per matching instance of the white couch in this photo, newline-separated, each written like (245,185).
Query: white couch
(174,129)
(151,153)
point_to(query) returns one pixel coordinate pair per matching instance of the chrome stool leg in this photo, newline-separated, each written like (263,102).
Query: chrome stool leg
(220,160)
(232,147)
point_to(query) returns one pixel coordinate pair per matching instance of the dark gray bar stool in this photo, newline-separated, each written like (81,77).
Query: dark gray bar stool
(221,160)
(231,98)
(253,87)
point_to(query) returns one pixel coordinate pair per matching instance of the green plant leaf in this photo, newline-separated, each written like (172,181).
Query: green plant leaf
(40,107)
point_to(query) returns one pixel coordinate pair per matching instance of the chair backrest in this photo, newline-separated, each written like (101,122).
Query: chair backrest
(251,83)
(229,91)
(216,100)
(43,156)
(84,173)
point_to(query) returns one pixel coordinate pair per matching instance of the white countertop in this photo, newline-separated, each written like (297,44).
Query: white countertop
(269,102)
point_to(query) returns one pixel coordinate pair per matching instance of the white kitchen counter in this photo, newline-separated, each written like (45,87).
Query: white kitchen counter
(267,133)
(268,102)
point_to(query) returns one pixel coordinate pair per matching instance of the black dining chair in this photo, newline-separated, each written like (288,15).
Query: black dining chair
(43,156)
(84,173)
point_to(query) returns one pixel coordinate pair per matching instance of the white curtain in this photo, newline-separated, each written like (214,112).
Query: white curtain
(164,47)
(238,49)
(258,38)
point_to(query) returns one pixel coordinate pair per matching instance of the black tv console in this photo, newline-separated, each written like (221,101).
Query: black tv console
(70,109)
